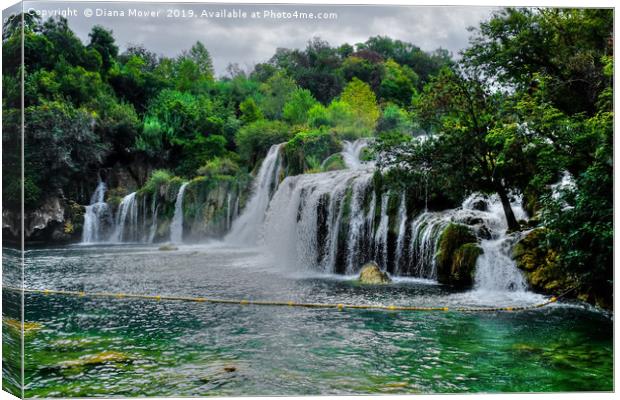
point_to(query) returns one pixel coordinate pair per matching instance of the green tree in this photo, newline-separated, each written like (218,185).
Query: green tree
(565,46)
(398,84)
(60,145)
(296,109)
(202,58)
(363,102)
(250,112)
(305,151)
(475,132)
(394,119)
(275,92)
(367,69)
(103,42)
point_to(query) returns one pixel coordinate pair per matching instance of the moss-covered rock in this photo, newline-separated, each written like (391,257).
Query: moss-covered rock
(168,247)
(91,360)
(539,263)
(371,274)
(464,264)
(456,257)
(366,154)
(543,271)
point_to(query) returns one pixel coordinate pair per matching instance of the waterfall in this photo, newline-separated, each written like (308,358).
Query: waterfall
(246,228)
(176,227)
(381,236)
(495,268)
(402,227)
(357,223)
(426,230)
(351,152)
(304,224)
(154,209)
(98,195)
(126,220)
(228,213)
(95,213)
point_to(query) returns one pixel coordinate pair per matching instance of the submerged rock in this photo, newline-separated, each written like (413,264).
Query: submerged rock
(480,205)
(464,264)
(168,247)
(457,255)
(230,368)
(371,274)
(104,357)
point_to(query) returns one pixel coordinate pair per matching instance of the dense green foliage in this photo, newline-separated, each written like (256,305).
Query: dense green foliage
(132,109)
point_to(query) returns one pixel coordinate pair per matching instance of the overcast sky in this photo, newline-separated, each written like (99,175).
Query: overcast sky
(247,41)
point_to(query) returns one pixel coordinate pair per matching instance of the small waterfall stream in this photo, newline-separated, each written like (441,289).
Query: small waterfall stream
(351,152)
(154,210)
(246,228)
(126,220)
(402,228)
(176,226)
(94,215)
(381,235)
(495,269)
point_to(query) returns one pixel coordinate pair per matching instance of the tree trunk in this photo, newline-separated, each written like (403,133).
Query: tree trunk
(513,225)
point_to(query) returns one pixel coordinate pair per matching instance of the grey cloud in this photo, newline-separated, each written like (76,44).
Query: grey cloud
(250,41)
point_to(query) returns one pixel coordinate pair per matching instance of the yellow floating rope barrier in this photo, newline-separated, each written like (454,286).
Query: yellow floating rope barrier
(244,302)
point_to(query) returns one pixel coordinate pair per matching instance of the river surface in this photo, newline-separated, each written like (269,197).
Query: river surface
(167,348)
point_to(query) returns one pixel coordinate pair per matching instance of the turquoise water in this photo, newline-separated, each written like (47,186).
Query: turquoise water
(122,347)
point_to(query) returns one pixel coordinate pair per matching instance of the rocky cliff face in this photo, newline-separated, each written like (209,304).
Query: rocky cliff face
(56,221)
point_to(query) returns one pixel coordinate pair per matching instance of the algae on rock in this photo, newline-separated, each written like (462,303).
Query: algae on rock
(456,257)
(371,274)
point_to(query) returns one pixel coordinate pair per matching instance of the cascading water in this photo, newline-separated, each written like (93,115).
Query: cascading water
(126,220)
(228,212)
(495,268)
(95,214)
(304,220)
(351,152)
(381,235)
(334,222)
(154,210)
(246,228)
(402,228)
(357,223)
(426,229)
(176,226)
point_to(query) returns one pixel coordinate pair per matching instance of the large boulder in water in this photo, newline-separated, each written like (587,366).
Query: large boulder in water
(456,257)
(371,274)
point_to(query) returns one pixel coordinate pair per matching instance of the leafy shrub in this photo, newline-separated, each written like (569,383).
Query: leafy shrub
(304,151)
(254,140)
(157,179)
(219,166)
